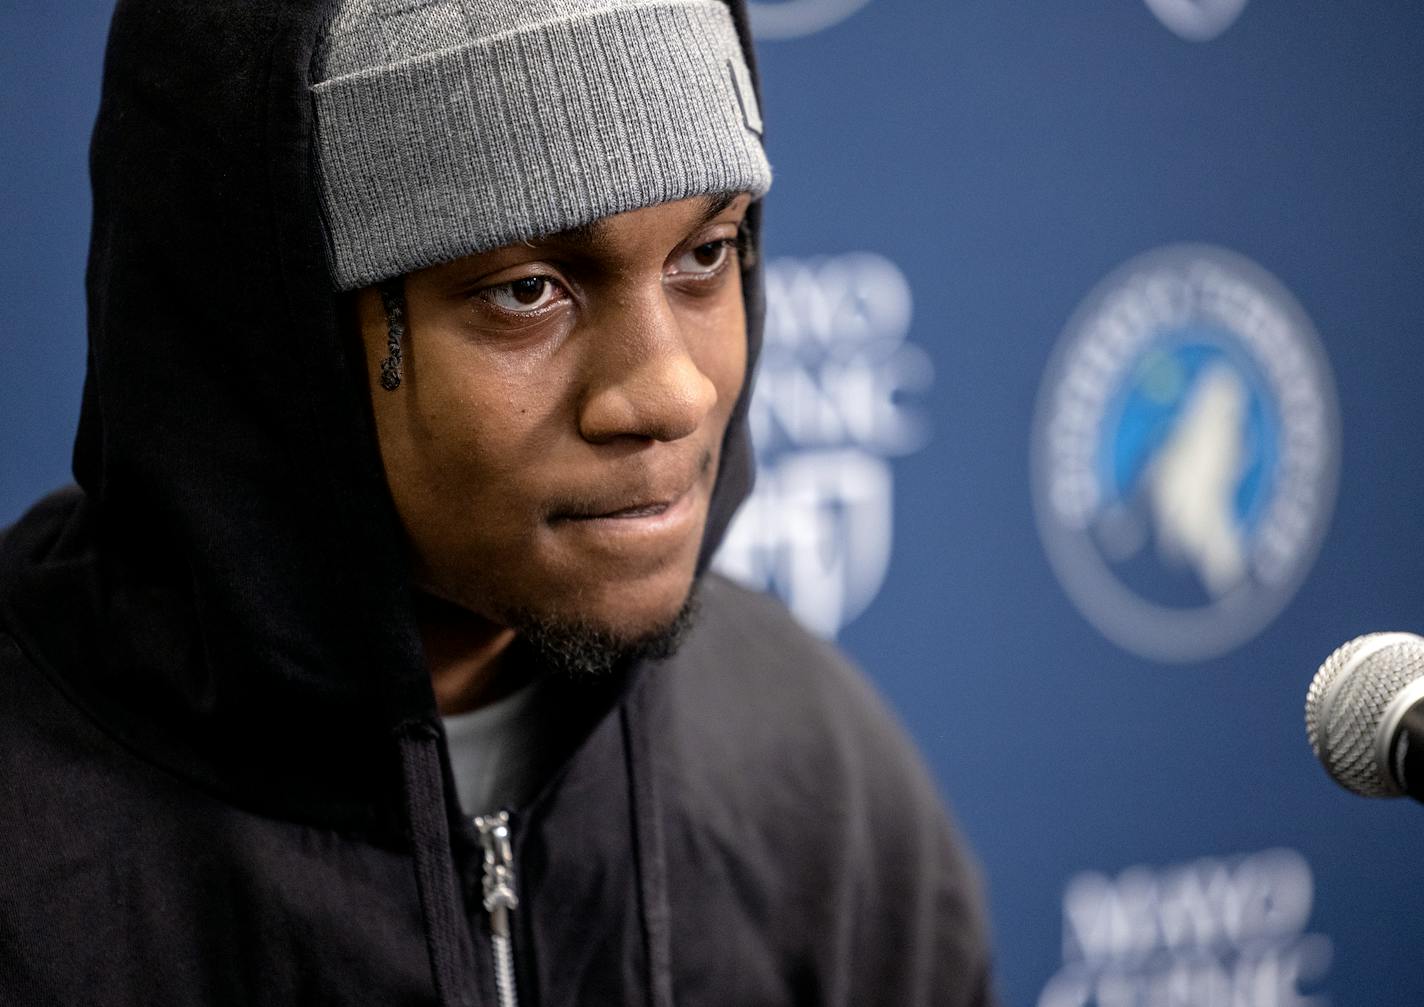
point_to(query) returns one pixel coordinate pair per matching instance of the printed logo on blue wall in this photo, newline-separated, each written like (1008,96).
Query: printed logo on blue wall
(837,397)
(794,18)
(1185,452)
(1197,20)
(1215,932)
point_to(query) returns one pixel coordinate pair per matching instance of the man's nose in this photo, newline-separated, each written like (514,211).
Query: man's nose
(642,380)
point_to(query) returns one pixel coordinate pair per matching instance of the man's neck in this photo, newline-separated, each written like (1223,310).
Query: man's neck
(468,656)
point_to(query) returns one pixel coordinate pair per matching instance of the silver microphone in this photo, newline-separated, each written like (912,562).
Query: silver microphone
(1364,715)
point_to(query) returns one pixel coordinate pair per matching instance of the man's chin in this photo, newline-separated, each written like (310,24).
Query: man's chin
(579,647)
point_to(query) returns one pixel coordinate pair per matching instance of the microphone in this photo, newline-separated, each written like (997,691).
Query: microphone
(1364,715)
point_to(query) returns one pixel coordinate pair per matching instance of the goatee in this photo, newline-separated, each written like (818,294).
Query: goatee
(580,649)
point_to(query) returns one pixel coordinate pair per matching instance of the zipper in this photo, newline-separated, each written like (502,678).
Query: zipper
(500,900)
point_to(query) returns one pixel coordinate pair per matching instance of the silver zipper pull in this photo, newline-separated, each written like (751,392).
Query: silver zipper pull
(500,898)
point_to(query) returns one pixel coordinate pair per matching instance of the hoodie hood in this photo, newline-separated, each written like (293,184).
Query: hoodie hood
(249,620)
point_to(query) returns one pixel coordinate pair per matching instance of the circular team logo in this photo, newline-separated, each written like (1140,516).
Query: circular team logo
(1197,20)
(1185,452)
(774,19)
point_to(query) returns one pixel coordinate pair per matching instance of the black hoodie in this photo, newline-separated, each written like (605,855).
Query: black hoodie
(224,776)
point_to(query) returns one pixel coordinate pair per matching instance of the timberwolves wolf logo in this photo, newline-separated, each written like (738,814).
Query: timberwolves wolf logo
(1185,453)
(1197,20)
(794,18)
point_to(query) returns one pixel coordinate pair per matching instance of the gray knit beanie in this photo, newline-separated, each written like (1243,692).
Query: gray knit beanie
(448,127)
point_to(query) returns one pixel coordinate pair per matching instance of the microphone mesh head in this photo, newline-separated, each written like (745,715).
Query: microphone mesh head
(1346,703)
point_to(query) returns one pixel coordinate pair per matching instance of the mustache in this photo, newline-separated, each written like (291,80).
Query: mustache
(646,491)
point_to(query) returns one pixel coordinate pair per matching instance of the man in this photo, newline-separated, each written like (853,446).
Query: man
(374,662)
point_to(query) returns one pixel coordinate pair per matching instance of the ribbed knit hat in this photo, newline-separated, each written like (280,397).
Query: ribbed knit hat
(448,127)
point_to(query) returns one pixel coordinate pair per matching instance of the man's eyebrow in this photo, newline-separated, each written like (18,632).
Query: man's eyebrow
(589,233)
(715,205)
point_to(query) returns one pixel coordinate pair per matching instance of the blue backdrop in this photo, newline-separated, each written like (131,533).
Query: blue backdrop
(1088,427)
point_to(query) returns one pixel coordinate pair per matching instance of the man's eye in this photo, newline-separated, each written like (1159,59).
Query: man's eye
(522,296)
(705,259)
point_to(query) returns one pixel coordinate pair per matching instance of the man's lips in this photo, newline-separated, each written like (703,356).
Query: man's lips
(638,537)
(633,502)
(645,523)
(648,506)
(638,510)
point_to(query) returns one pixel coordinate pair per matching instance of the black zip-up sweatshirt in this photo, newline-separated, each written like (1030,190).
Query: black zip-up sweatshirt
(223,778)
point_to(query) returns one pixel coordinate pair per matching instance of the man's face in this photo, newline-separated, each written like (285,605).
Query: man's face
(553,444)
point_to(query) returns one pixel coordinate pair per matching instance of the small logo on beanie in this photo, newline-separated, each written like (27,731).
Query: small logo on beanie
(746,95)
